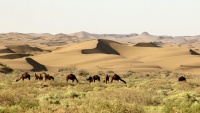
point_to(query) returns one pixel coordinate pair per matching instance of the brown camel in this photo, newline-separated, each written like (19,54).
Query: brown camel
(46,76)
(24,76)
(117,77)
(181,78)
(38,77)
(106,79)
(89,79)
(95,77)
(71,77)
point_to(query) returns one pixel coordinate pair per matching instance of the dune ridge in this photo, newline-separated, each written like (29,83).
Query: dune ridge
(150,44)
(6,50)
(14,56)
(24,49)
(103,46)
(193,52)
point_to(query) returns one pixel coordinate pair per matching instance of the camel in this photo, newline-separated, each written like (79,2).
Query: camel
(181,78)
(38,77)
(71,77)
(95,77)
(24,76)
(106,79)
(46,76)
(117,77)
(89,79)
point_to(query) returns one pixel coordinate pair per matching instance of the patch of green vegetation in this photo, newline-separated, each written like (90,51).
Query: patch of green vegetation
(142,94)
(70,69)
(83,73)
(186,102)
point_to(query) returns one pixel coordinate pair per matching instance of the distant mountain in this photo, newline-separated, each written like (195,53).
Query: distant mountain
(61,39)
(84,34)
(144,34)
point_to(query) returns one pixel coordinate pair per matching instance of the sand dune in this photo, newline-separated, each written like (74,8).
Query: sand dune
(13,56)
(52,52)
(150,44)
(5,50)
(103,46)
(193,52)
(99,54)
(24,49)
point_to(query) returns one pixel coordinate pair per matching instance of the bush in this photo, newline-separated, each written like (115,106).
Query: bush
(83,73)
(68,69)
(183,102)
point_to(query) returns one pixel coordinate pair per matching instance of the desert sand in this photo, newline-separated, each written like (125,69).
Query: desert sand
(100,52)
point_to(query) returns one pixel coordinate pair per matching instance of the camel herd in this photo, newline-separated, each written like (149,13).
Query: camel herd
(44,76)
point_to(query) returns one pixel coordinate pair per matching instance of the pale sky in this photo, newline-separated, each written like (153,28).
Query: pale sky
(157,17)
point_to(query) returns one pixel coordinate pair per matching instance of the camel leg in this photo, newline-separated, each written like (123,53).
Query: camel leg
(123,81)
(76,80)
(111,80)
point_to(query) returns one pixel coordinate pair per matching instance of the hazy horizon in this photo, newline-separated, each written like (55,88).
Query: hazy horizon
(157,17)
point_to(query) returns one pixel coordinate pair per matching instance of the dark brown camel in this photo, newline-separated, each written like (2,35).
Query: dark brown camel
(117,77)
(106,79)
(181,78)
(89,79)
(71,77)
(95,77)
(45,77)
(24,76)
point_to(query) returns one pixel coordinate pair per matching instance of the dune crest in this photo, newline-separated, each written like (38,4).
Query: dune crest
(24,49)
(193,52)
(150,44)
(103,46)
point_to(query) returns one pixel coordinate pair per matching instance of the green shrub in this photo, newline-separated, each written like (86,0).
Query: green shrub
(83,73)
(70,69)
(110,72)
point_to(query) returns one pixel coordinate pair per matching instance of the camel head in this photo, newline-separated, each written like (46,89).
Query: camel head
(17,80)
